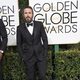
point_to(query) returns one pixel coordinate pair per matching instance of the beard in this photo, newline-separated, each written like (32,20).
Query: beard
(28,19)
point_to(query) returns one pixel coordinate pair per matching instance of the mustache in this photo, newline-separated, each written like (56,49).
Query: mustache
(27,17)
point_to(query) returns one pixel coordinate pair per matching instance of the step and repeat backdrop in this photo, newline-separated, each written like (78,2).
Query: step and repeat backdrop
(61,19)
(10,16)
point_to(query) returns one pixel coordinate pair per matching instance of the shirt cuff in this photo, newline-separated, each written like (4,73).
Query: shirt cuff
(1,51)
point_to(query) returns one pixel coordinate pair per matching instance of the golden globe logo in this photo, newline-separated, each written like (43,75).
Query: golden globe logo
(60,17)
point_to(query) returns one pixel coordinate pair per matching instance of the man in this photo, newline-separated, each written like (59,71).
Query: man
(3,44)
(32,44)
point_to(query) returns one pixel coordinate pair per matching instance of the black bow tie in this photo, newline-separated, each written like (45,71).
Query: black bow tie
(29,24)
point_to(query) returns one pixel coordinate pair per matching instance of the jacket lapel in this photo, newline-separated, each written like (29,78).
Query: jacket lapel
(26,32)
(34,29)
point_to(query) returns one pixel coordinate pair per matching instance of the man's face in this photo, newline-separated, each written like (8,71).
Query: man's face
(28,15)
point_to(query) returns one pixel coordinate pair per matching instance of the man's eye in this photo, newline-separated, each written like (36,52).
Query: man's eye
(25,13)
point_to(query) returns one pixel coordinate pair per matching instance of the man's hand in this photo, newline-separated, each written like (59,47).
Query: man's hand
(1,55)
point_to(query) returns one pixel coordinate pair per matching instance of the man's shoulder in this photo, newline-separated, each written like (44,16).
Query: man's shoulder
(0,20)
(39,22)
(20,25)
(1,23)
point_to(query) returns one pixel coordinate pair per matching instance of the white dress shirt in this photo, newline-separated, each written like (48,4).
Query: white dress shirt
(30,28)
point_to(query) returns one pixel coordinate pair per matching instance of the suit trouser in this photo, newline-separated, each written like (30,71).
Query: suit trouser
(1,75)
(31,67)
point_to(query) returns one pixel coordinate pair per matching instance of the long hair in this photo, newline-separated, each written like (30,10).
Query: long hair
(22,13)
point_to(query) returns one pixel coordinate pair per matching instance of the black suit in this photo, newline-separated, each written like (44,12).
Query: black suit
(31,48)
(3,42)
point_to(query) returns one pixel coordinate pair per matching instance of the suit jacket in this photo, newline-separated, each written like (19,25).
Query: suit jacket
(3,36)
(30,45)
